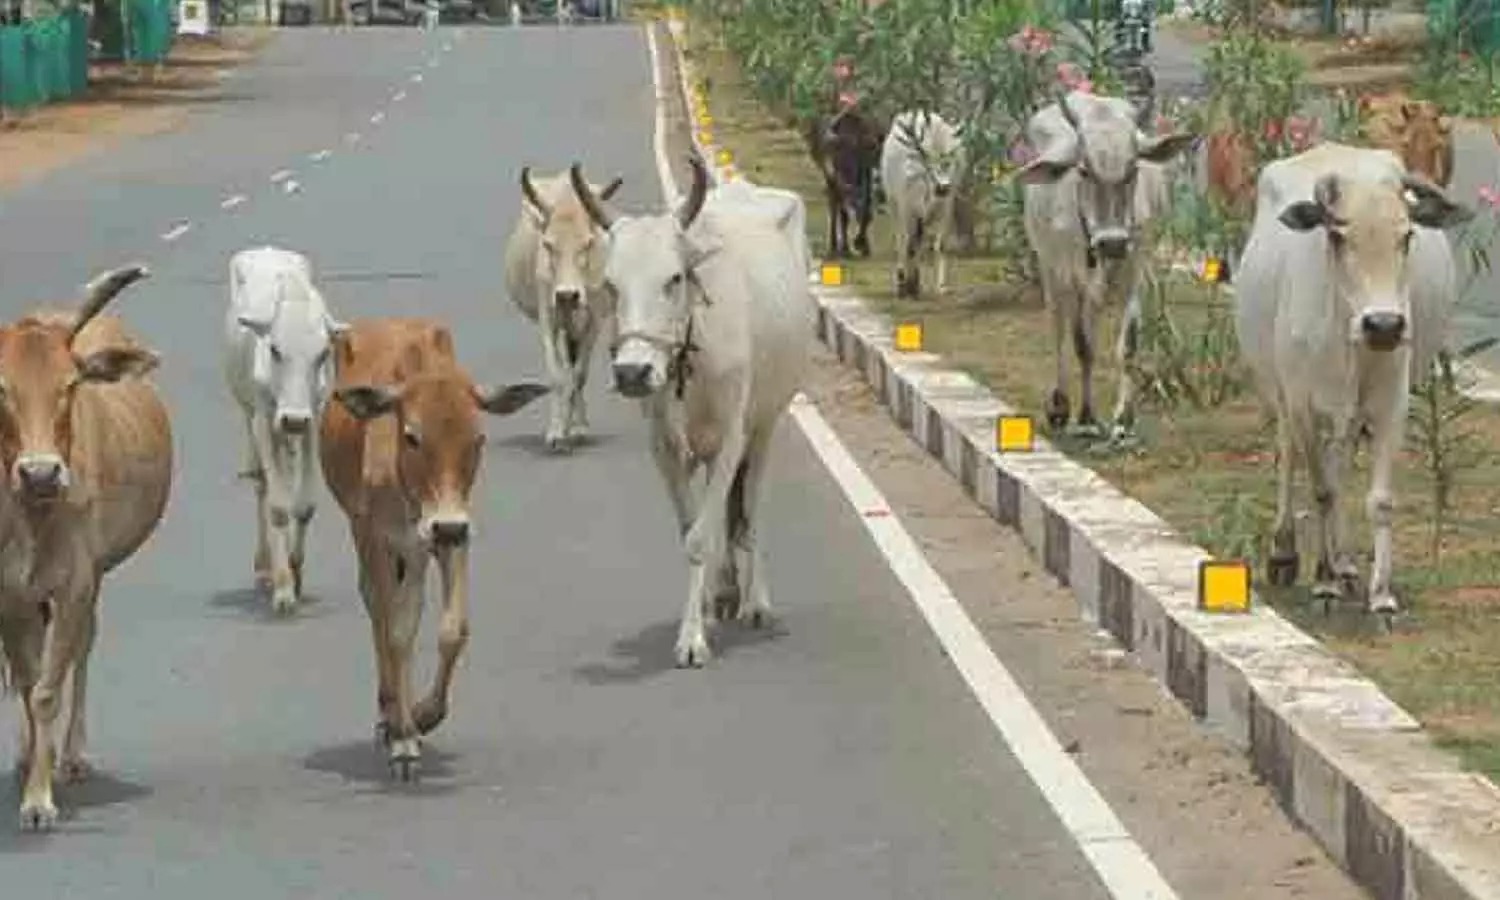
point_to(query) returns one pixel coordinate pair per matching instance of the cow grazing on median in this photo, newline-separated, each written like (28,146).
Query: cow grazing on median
(715,325)
(86,444)
(400,449)
(279,336)
(1417,131)
(919,160)
(1343,298)
(846,149)
(554,263)
(1092,194)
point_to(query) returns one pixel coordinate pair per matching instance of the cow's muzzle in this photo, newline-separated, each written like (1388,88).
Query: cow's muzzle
(633,379)
(942,189)
(1112,246)
(295,422)
(567,299)
(1382,331)
(41,477)
(449,531)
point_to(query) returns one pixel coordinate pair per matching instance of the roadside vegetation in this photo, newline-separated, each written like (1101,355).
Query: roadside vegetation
(769,67)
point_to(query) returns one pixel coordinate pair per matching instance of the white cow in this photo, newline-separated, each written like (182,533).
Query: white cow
(1092,193)
(1343,298)
(279,334)
(715,325)
(554,270)
(918,162)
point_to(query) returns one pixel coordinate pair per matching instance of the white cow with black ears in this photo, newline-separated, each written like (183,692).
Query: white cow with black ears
(279,334)
(715,323)
(918,162)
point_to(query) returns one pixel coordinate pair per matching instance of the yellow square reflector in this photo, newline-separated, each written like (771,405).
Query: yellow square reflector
(706,138)
(909,337)
(1212,269)
(1014,434)
(832,275)
(1224,585)
(725,157)
(705,120)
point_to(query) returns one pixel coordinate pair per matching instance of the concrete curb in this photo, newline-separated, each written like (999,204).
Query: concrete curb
(1342,758)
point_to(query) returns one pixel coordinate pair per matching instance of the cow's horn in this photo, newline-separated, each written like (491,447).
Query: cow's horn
(104,287)
(697,194)
(587,198)
(529,190)
(1067,111)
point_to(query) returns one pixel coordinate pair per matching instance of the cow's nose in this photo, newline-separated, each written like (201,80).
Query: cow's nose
(566,299)
(633,379)
(450,532)
(1112,247)
(943,189)
(1383,330)
(294,422)
(40,477)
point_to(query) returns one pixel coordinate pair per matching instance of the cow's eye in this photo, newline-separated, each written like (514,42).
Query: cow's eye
(276,353)
(412,438)
(675,280)
(1406,241)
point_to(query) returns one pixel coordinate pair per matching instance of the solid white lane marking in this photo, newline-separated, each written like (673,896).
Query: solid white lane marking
(176,231)
(320,155)
(232,201)
(1121,864)
(377,118)
(280,175)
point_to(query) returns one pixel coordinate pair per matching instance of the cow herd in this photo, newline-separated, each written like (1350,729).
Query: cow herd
(709,318)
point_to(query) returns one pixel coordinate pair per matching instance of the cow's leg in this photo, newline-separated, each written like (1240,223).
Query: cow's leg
(21,640)
(1125,351)
(59,651)
(1386,425)
(303,506)
(1281,568)
(75,766)
(1084,315)
(671,460)
(704,541)
(277,519)
(866,213)
(453,635)
(405,619)
(377,585)
(557,374)
(940,230)
(1326,453)
(1060,300)
(744,506)
(255,470)
(902,237)
(914,254)
(582,352)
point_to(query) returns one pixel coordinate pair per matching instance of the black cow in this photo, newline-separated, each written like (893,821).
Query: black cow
(846,149)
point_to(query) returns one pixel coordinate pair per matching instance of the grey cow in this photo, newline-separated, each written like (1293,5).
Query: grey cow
(1092,193)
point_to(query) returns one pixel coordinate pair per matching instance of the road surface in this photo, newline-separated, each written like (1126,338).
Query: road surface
(839,755)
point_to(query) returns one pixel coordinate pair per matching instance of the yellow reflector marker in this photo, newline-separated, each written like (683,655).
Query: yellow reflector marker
(1014,434)
(1224,586)
(909,337)
(832,275)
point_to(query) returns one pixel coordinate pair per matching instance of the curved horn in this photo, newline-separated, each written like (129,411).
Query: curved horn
(699,192)
(104,287)
(586,197)
(609,189)
(529,190)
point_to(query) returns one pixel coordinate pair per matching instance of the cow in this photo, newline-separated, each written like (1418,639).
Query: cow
(919,159)
(86,445)
(1230,168)
(1415,130)
(1092,195)
(278,339)
(401,446)
(846,149)
(715,325)
(553,264)
(1343,299)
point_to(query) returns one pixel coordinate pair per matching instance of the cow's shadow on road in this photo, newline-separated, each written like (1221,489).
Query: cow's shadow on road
(363,763)
(254,604)
(652,651)
(100,790)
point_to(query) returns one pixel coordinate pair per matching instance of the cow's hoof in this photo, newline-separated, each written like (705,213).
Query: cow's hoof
(284,602)
(556,442)
(76,770)
(297,578)
(38,816)
(862,246)
(578,433)
(756,613)
(1327,594)
(405,760)
(1281,569)
(1057,410)
(693,652)
(1383,603)
(726,605)
(428,714)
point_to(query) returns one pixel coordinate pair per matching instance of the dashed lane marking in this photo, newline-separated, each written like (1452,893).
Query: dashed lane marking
(398,96)
(320,155)
(232,201)
(351,138)
(176,231)
(280,175)
(377,118)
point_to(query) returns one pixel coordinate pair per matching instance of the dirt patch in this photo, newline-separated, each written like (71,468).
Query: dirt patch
(1440,664)
(122,102)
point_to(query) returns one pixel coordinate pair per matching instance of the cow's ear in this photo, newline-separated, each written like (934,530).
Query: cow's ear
(113,363)
(261,327)
(1160,149)
(1304,215)
(504,400)
(1041,171)
(366,401)
(1437,211)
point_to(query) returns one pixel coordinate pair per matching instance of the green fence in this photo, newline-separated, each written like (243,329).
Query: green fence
(148,30)
(1472,25)
(44,60)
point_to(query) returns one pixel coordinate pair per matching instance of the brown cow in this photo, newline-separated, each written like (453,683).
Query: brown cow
(400,450)
(1231,169)
(87,449)
(1415,130)
(846,149)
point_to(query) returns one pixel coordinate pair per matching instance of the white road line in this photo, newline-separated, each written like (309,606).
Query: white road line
(320,155)
(398,96)
(232,201)
(1121,864)
(377,118)
(447,47)
(280,175)
(177,231)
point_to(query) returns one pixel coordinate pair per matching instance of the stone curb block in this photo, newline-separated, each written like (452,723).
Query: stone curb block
(1342,758)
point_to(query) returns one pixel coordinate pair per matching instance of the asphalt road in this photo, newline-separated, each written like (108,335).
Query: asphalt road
(840,756)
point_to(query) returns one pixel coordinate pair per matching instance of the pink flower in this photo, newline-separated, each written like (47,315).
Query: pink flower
(1302,133)
(1020,152)
(847,99)
(1273,130)
(1069,75)
(1490,196)
(1163,125)
(1031,41)
(1084,87)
